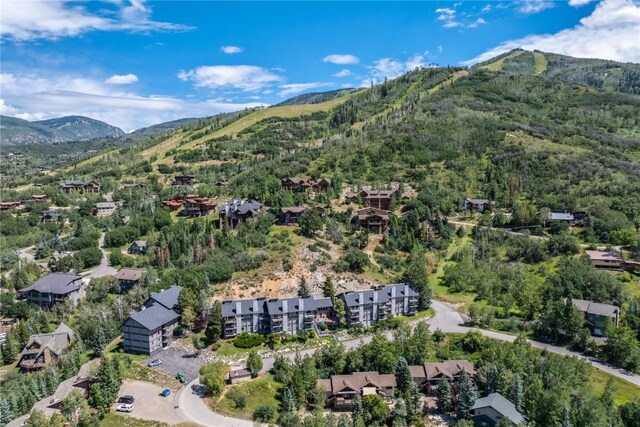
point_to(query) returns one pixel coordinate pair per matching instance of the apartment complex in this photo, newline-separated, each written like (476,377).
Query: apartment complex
(369,306)
(54,288)
(151,328)
(262,315)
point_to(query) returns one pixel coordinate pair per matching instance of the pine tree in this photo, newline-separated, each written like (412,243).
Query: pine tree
(214,327)
(403,374)
(413,401)
(467,395)
(9,350)
(491,378)
(566,418)
(416,273)
(399,414)
(99,341)
(303,288)
(328,289)
(288,401)
(517,392)
(444,396)
(6,414)
(357,411)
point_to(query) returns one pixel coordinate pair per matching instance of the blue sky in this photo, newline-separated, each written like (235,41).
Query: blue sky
(133,63)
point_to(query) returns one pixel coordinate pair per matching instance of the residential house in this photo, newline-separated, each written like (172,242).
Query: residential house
(564,216)
(597,314)
(261,315)
(173,203)
(342,389)
(380,199)
(372,219)
(128,278)
(138,247)
(601,259)
(239,375)
(479,205)
(430,374)
(53,289)
(183,180)
(39,198)
(321,185)
(86,186)
(44,350)
(50,215)
(152,328)
(236,210)
(290,214)
(296,184)
(104,209)
(489,410)
(5,206)
(372,305)
(195,206)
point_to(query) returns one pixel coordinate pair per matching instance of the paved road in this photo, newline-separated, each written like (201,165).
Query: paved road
(193,408)
(104,269)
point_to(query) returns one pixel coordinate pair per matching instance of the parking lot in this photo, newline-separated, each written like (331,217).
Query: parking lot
(149,404)
(175,360)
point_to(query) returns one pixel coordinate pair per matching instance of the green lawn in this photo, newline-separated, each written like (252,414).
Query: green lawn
(228,349)
(540,63)
(115,420)
(442,292)
(260,391)
(625,391)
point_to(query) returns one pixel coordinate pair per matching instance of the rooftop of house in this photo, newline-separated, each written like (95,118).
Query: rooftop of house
(561,216)
(240,206)
(140,243)
(105,205)
(154,316)
(293,209)
(383,294)
(273,306)
(367,212)
(596,308)
(127,273)
(603,256)
(480,201)
(358,380)
(56,341)
(168,297)
(55,283)
(447,368)
(239,373)
(501,405)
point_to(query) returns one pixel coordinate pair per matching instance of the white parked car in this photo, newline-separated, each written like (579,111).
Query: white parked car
(125,407)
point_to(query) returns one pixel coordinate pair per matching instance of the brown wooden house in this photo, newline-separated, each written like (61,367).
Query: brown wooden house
(372,219)
(183,180)
(290,215)
(43,350)
(428,375)
(342,389)
(198,206)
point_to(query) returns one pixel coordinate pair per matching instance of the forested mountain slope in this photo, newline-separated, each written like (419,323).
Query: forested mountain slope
(71,128)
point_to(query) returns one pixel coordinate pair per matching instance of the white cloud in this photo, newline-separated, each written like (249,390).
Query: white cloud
(486,9)
(534,6)
(231,49)
(452,20)
(294,88)
(341,59)
(122,79)
(477,23)
(36,19)
(342,73)
(243,77)
(390,68)
(33,97)
(578,3)
(440,49)
(610,32)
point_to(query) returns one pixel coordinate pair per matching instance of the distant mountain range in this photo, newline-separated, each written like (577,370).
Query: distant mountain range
(14,131)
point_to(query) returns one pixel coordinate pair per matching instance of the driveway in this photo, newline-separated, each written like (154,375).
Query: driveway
(104,269)
(175,360)
(149,404)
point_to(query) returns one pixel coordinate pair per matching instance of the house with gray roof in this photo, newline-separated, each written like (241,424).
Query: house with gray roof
(597,314)
(488,411)
(54,288)
(284,315)
(237,210)
(152,327)
(369,306)
(44,350)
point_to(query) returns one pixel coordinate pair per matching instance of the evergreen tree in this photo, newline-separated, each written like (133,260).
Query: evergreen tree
(9,349)
(403,375)
(413,402)
(467,395)
(517,393)
(99,341)
(214,327)
(328,288)
(357,410)
(416,273)
(303,288)
(491,377)
(444,396)
(288,401)
(566,418)
(6,413)
(399,414)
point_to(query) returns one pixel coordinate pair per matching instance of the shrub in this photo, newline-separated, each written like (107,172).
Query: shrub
(237,398)
(264,413)
(246,340)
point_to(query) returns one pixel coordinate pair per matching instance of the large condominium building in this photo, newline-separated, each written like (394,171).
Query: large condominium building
(372,305)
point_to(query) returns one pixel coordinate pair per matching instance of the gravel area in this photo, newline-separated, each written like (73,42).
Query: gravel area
(149,403)
(175,360)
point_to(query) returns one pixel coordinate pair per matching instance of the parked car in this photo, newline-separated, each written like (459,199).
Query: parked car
(154,363)
(166,392)
(125,407)
(126,399)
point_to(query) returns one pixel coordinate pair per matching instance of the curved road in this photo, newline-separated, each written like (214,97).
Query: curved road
(191,406)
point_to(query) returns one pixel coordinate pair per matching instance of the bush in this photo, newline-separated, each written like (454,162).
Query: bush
(237,398)
(246,340)
(264,413)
